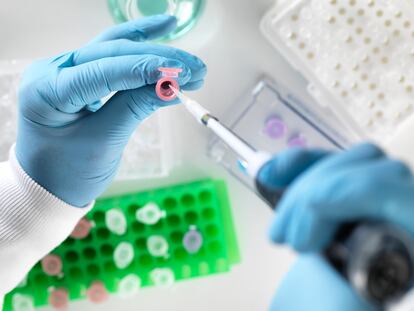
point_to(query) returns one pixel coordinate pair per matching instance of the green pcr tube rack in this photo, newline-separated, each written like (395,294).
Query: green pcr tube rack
(188,233)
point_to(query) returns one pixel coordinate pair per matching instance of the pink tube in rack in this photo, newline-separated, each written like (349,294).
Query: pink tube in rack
(82,229)
(97,292)
(59,299)
(52,265)
(162,88)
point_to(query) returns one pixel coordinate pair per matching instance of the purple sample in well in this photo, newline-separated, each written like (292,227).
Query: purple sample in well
(275,128)
(192,241)
(297,141)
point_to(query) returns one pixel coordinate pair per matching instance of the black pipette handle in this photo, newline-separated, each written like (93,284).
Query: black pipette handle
(376,258)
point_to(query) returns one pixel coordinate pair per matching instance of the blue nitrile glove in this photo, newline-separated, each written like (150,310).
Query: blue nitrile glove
(313,285)
(323,191)
(68,141)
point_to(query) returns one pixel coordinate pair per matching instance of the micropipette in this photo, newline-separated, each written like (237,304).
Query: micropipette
(251,158)
(376,258)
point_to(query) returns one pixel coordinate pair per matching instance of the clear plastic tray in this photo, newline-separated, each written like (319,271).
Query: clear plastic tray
(357,55)
(149,154)
(271,118)
(10,72)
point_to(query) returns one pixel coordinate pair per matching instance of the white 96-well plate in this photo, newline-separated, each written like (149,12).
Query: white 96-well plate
(357,54)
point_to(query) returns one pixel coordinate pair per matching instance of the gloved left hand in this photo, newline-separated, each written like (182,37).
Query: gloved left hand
(324,190)
(68,141)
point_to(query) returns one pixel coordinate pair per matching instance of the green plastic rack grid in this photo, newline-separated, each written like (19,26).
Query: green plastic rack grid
(203,204)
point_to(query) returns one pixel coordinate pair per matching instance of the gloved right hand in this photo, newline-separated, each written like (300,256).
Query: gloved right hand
(324,190)
(68,141)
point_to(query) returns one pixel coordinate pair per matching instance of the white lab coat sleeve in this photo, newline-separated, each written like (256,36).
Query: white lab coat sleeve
(32,223)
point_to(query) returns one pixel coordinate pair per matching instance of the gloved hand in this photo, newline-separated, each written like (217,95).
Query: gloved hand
(323,191)
(68,141)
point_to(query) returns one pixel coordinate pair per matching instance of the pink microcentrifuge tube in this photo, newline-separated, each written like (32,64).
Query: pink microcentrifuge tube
(52,265)
(59,299)
(162,88)
(82,229)
(97,292)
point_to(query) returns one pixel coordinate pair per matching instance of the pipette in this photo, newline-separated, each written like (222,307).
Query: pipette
(252,159)
(376,258)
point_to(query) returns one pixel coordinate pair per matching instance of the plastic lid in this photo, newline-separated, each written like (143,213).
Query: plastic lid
(52,265)
(97,293)
(129,286)
(22,302)
(193,241)
(82,229)
(157,246)
(59,299)
(123,255)
(275,128)
(162,277)
(115,221)
(298,141)
(150,214)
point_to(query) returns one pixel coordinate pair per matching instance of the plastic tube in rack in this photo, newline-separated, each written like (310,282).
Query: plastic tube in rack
(162,277)
(150,214)
(157,246)
(52,265)
(22,302)
(115,221)
(123,255)
(82,229)
(129,286)
(59,299)
(97,293)
(193,240)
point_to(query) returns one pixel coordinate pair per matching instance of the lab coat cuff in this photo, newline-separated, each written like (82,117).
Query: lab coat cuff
(32,222)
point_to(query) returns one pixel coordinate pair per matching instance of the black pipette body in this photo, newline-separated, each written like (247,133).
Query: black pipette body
(376,258)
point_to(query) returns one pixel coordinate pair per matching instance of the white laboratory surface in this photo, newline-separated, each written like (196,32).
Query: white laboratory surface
(228,39)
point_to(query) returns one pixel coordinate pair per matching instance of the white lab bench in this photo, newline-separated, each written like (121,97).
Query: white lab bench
(229,41)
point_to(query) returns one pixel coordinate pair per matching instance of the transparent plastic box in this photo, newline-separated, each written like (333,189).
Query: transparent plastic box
(271,118)
(358,57)
(10,72)
(149,154)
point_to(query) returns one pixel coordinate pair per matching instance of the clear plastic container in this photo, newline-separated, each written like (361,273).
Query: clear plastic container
(270,118)
(186,11)
(10,74)
(149,153)
(358,57)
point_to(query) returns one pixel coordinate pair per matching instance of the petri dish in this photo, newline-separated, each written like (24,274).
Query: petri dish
(187,12)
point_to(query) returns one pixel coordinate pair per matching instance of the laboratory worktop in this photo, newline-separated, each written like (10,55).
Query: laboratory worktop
(228,39)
